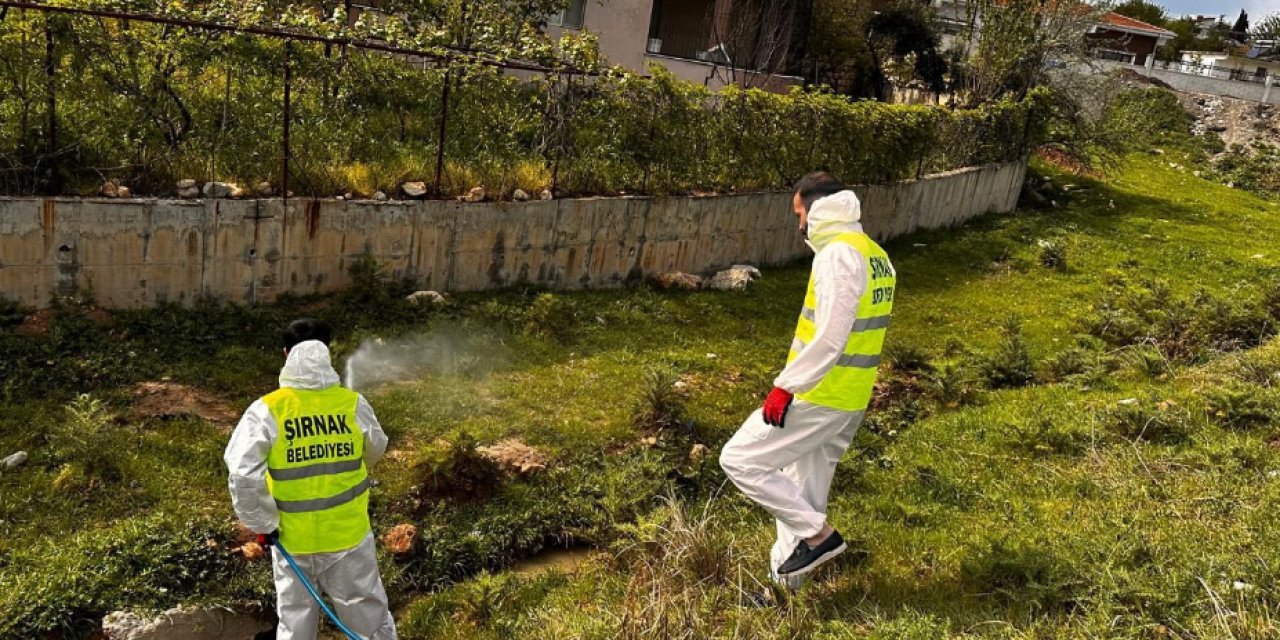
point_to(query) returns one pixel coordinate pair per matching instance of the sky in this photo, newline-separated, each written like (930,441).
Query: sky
(1231,8)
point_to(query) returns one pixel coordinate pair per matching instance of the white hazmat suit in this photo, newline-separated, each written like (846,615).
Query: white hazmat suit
(349,578)
(788,470)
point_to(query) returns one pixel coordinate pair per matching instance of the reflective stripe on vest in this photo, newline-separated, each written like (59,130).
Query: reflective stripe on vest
(320,504)
(315,470)
(848,385)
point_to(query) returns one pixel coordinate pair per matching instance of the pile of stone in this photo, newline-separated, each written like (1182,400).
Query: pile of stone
(735,278)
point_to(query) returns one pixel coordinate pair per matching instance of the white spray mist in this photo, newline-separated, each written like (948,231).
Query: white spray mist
(380,361)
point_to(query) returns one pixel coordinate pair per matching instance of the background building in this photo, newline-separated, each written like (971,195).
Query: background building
(751,43)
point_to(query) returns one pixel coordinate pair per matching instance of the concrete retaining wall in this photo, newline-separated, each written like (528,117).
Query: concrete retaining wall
(141,252)
(1195,83)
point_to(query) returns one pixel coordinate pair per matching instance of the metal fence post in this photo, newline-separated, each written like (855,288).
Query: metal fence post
(284,159)
(51,134)
(444,119)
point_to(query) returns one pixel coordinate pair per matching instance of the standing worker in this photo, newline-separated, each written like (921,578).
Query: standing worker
(298,465)
(785,455)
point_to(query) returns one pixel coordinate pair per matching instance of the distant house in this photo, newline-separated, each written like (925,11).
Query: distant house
(713,42)
(1253,63)
(1124,39)
(1205,26)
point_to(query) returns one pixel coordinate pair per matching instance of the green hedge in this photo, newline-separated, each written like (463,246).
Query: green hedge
(147,106)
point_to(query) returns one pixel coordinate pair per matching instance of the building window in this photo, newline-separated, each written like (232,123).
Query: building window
(569,17)
(1112,54)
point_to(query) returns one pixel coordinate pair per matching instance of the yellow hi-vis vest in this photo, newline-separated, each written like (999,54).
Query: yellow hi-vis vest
(847,386)
(316,472)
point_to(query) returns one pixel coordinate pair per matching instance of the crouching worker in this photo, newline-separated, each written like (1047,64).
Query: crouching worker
(785,455)
(298,465)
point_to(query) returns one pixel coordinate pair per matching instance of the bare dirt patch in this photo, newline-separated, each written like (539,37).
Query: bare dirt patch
(515,457)
(37,323)
(166,400)
(398,540)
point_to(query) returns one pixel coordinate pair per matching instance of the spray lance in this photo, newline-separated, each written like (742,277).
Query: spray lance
(273,540)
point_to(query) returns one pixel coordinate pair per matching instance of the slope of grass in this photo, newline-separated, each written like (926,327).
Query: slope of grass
(1117,484)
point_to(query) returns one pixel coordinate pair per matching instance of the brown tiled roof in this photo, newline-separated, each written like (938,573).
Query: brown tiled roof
(1130,24)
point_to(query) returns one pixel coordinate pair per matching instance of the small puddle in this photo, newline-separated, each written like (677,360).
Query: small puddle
(558,559)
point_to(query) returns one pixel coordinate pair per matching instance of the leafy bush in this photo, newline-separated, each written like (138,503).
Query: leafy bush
(1140,118)
(142,562)
(1255,168)
(208,107)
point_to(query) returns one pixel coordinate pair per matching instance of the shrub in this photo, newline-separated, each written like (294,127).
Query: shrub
(1053,254)
(1239,407)
(1044,436)
(952,385)
(453,468)
(1147,419)
(1076,362)
(1147,360)
(1009,365)
(661,407)
(1022,572)
(1183,329)
(908,359)
(364,121)
(87,446)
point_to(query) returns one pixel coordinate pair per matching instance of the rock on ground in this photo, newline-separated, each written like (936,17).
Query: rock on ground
(188,623)
(520,195)
(476,194)
(434,298)
(13,461)
(398,541)
(545,194)
(172,400)
(414,189)
(1235,121)
(220,189)
(264,189)
(735,278)
(677,280)
(379,196)
(514,456)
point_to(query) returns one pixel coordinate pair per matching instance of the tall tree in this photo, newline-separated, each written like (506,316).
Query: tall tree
(1241,28)
(1015,39)
(1268,28)
(1148,12)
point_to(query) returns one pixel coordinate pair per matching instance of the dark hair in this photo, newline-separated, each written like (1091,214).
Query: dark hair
(817,185)
(304,329)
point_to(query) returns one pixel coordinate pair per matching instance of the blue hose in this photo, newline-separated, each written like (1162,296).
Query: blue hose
(351,635)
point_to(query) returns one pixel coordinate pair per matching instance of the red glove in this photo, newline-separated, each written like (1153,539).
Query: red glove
(267,539)
(776,405)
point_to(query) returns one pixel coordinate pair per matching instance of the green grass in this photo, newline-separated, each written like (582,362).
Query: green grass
(1117,488)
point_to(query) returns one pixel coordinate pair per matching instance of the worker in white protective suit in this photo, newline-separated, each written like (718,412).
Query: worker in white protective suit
(785,455)
(298,465)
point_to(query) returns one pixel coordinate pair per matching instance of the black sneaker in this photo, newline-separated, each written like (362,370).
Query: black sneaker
(803,559)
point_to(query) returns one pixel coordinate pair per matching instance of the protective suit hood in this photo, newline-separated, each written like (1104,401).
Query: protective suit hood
(308,366)
(831,216)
